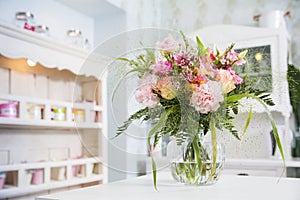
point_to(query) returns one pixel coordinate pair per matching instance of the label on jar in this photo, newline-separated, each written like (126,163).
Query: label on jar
(78,115)
(58,114)
(34,112)
(8,111)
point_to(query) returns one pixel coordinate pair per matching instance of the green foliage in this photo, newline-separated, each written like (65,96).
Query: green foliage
(293,77)
(141,114)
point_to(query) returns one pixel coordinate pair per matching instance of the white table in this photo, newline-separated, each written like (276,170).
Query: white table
(229,187)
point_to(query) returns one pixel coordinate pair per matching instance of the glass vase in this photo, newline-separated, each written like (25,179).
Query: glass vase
(184,166)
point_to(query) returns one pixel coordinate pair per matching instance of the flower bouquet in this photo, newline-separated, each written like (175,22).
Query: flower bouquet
(188,91)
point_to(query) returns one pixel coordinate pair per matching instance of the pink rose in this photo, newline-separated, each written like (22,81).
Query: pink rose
(226,79)
(207,97)
(165,88)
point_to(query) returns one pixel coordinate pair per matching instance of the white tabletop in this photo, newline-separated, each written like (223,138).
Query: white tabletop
(229,187)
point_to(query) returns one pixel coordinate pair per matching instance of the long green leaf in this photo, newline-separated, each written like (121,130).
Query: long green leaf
(154,172)
(195,146)
(247,122)
(200,46)
(275,131)
(212,125)
(235,97)
(160,123)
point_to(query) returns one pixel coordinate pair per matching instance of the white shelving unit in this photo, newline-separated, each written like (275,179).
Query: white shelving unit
(22,185)
(54,57)
(89,110)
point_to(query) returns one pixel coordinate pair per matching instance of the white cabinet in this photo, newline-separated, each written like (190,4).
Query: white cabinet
(57,137)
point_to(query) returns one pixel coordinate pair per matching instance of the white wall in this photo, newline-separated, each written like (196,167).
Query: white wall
(56,16)
(107,26)
(190,15)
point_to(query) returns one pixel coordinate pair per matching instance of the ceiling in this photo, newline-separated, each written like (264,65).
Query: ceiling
(91,8)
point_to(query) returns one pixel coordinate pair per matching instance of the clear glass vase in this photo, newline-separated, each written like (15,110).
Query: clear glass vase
(185,169)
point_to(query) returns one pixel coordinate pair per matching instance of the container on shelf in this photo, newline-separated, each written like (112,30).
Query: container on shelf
(9,110)
(89,168)
(25,20)
(86,44)
(34,112)
(78,115)
(37,176)
(74,37)
(75,170)
(97,168)
(58,173)
(58,114)
(42,30)
(93,116)
(28,176)
(2,179)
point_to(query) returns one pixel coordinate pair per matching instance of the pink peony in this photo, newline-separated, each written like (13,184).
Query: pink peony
(162,67)
(168,45)
(207,97)
(145,96)
(226,79)
(144,93)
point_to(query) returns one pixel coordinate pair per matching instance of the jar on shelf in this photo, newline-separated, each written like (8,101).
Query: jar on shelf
(42,30)
(2,179)
(58,114)
(34,112)
(25,20)
(74,37)
(78,115)
(9,110)
(87,45)
(37,176)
